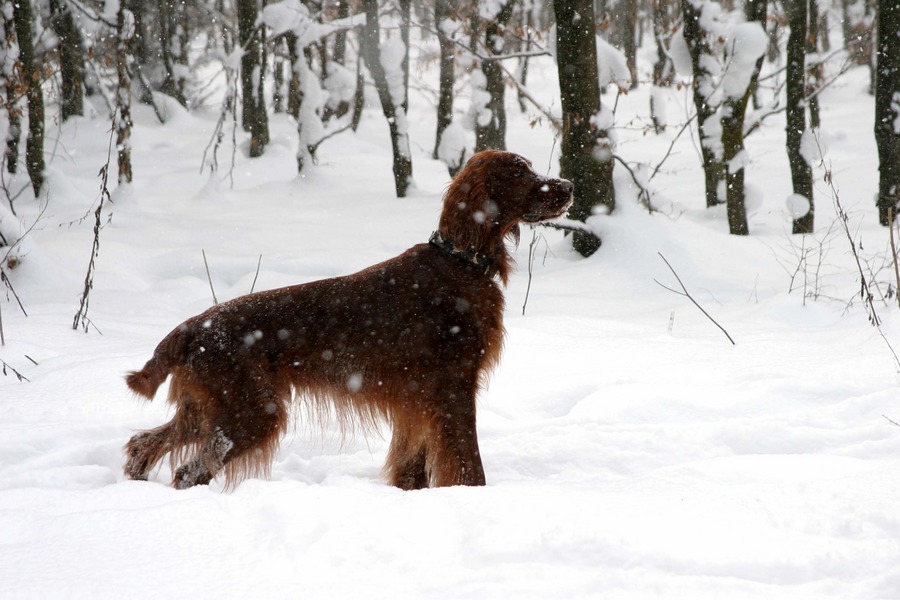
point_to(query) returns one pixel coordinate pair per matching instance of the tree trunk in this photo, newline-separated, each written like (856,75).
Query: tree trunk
(801,171)
(442,10)
(31,71)
(586,154)
(71,59)
(11,84)
(629,25)
(663,69)
(253,70)
(172,84)
(733,111)
(124,37)
(695,37)
(490,133)
(394,113)
(887,108)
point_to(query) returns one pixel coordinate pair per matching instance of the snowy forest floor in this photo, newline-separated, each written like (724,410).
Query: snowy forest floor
(630,450)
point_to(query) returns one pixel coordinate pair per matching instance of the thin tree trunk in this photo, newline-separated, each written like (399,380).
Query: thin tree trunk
(492,135)
(124,35)
(629,23)
(801,171)
(887,97)
(395,114)
(662,69)
(442,10)
(294,94)
(34,143)
(168,39)
(71,59)
(253,70)
(733,112)
(695,37)
(13,108)
(586,157)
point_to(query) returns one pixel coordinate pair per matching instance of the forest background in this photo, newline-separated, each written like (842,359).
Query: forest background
(162,156)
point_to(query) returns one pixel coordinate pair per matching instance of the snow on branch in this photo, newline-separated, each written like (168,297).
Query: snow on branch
(292,16)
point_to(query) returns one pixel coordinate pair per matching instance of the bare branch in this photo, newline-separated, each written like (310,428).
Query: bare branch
(209,279)
(687,294)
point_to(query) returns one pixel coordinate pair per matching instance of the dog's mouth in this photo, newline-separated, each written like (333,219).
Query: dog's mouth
(549,214)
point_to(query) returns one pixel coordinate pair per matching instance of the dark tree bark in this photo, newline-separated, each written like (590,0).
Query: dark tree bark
(71,59)
(443,9)
(395,114)
(733,111)
(492,135)
(253,70)
(31,80)
(124,38)
(294,95)
(629,25)
(887,108)
(801,171)
(586,157)
(695,37)
(11,85)
(169,13)
(663,70)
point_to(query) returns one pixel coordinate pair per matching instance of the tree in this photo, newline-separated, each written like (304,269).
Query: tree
(489,88)
(124,38)
(71,59)
(171,44)
(801,171)
(253,75)
(393,98)
(662,68)
(887,109)
(747,47)
(11,89)
(443,10)
(31,80)
(703,88)
(586,154)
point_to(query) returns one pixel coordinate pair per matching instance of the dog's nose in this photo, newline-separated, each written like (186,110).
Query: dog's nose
(566,185)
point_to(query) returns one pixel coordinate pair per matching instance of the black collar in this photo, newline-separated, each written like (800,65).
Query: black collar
(481,262)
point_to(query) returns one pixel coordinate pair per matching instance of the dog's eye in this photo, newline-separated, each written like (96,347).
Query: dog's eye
(519,174)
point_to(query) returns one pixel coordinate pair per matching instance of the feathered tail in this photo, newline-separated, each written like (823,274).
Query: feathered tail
(169,353)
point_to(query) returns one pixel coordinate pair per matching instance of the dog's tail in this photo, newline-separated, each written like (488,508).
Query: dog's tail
(169,353)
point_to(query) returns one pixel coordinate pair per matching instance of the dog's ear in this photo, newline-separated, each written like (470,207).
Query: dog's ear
(466,217)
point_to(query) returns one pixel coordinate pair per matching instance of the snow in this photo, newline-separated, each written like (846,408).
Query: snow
(748,42)
(630,450)
(612,67)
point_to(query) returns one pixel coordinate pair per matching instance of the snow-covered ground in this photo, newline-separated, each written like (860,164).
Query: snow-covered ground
(631,451)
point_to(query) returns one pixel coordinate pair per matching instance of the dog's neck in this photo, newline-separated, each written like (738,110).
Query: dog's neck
(482,262)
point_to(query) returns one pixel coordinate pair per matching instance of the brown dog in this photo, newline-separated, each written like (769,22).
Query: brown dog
(409,341)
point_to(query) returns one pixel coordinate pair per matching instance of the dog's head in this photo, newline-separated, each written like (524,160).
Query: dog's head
(493,194)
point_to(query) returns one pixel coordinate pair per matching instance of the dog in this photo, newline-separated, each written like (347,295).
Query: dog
(409,342)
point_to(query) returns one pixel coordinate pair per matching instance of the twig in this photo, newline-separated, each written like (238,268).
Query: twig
(643,193)
(208,278)
(864,292)
(258,263)
(81,317)
(894,253)
(672,145)
(530,267)
(687,295)
(18,375)
(567,225)
(893,422)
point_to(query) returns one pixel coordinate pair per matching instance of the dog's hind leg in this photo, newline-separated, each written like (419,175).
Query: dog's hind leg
(405,467)
(147,448)
(243,441)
